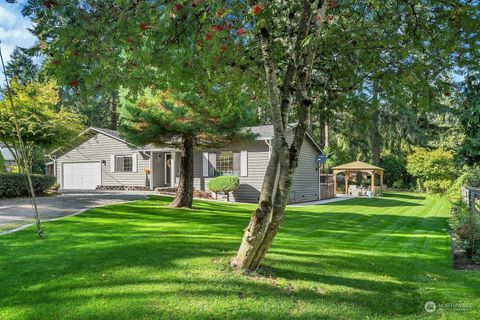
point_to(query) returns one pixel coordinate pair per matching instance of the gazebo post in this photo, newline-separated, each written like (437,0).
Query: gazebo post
(381,182)
(372,186)
(334,182)
(347,175)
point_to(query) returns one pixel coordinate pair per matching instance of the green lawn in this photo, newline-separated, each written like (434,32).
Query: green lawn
(355,259)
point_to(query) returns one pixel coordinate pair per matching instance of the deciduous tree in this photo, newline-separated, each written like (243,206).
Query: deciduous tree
(43,126)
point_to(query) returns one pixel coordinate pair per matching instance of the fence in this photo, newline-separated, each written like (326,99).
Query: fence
(326,186)
(472,197)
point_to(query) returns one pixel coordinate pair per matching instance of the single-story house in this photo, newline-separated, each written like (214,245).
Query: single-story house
(102,158)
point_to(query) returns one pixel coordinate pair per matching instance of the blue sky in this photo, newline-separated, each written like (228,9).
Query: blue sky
(13,29)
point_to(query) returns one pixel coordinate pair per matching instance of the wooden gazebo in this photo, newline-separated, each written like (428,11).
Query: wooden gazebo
(355,167)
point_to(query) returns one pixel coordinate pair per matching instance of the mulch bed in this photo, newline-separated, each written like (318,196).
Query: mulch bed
(199,194)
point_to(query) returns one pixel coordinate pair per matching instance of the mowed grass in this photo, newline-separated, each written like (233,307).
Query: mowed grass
(358,259)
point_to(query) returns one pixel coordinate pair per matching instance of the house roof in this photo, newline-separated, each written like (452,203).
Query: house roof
(109,132)
(262,132)
(266,132)
(357,165)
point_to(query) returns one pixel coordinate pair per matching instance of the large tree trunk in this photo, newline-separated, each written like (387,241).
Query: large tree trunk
(184,197)
(266,220)
(113,112)
(375,135)
(326,135)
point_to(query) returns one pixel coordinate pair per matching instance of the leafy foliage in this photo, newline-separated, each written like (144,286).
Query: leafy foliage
(15,184)
(470,178)
(437,186)
(43,126)
(469,117)
(224,184)
(428,164)
(395,170)
(164,118)
(2,163)
(393,92)
(466,227)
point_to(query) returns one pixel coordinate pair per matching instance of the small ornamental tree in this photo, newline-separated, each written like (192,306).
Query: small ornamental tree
(44,125)
(427,165)
(224,184)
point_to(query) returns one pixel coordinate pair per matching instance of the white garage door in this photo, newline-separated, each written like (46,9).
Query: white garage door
(82,175)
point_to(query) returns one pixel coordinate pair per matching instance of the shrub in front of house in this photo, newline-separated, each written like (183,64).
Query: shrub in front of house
(15,184)
(224,184)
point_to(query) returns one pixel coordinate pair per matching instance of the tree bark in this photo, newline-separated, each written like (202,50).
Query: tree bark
(266,220)
(375,135)
(113,112)
(184,196)
(326,135)
(260,218)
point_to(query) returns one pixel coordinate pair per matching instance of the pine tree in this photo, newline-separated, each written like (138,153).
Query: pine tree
(21,67)
(183,121)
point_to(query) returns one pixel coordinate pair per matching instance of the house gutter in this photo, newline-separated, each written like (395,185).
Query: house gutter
(54,160)
(269,144)
(145,153)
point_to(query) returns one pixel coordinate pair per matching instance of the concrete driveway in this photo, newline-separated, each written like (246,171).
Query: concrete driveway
(18,212)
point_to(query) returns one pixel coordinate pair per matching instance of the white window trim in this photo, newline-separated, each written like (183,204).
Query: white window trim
(244,163)
(165,167)
(205,164)
(132,155)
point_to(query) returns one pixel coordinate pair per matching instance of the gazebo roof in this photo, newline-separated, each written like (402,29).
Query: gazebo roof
(357,165)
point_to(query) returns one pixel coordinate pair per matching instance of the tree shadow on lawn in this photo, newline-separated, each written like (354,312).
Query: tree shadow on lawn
(87,273)
(412,196)
(378,202)
(124,246)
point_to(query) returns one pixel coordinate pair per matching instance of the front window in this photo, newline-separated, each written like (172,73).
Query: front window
(123,163)
(226,163)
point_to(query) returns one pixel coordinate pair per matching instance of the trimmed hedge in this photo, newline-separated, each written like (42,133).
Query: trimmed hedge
(15,184)
(224,184)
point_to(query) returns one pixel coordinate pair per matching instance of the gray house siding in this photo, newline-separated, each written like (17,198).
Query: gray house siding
(305,186)
(250,185)
(100,148)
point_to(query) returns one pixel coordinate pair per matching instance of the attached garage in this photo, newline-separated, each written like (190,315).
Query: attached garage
(82,175)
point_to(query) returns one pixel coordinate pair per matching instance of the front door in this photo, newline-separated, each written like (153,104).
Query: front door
(168,169)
